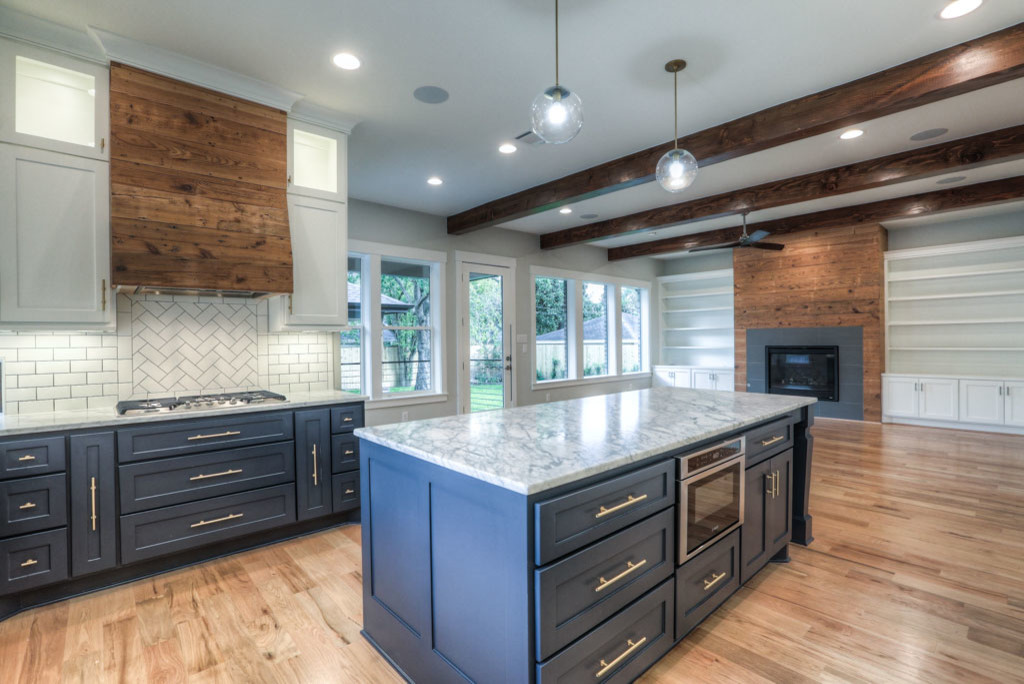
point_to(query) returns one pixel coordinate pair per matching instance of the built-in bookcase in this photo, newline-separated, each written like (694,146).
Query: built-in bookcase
(697,319)
(956,309)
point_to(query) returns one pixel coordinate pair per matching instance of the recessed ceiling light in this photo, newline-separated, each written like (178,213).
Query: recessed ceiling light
(565,210)
(434,180)
(951,179)
(959,8)
(346,60)
(507,148)
(851,134)
(929,134)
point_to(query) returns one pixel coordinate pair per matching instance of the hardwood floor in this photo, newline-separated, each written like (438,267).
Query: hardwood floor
(916,574)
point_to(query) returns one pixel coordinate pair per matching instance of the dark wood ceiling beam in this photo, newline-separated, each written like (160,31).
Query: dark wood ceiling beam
(939,201)
(923,162)
(985,61)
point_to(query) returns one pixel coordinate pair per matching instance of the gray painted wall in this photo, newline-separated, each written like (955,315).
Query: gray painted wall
(391,225)
(959,230)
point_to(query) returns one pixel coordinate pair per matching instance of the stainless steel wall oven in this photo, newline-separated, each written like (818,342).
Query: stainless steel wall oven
(710,495)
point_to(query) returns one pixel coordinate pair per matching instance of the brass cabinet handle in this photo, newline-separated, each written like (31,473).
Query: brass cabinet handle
(207,476)
(92,495)
(716,577)
(25,506)
(769,484)
(776,492)
(103,292)
(29,562)
(773,440)
(628,502)
(229,433)
(315,482)
(349,452)
(232,516)
(347,419)
(633,645)
(630,567)
(103,144)
(350,491)
(27,457)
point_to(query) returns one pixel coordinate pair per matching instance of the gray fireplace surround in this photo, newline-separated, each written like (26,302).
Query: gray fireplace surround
(850,341)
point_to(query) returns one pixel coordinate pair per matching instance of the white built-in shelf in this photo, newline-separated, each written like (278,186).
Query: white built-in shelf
(697,317)
(956,308)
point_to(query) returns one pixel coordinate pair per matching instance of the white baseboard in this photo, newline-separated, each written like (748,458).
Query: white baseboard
(954,425)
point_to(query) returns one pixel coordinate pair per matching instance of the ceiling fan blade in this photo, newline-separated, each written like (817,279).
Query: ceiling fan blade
(758,235)
(723,245)
(774,246)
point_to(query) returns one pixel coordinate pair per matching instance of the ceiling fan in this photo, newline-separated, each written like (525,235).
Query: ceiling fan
(745,241)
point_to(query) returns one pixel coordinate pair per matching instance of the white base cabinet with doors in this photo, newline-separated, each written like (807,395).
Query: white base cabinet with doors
(318,222)
(989,404)
(54,191)
(695,378)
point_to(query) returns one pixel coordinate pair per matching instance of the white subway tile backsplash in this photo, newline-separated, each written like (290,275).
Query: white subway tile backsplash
(184,344)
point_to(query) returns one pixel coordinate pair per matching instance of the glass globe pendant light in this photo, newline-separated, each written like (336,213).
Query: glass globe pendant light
(677,169)
(557,113)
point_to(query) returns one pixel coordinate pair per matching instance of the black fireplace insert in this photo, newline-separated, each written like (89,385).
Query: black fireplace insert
(803,371)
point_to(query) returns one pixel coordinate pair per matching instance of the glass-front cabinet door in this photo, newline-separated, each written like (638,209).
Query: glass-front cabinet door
(59,103)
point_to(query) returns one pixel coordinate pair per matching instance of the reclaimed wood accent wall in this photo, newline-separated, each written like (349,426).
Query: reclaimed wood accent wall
(197,184)
(827,277)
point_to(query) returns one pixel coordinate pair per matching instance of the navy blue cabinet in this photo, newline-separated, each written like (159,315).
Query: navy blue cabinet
(313,489)
(93,498)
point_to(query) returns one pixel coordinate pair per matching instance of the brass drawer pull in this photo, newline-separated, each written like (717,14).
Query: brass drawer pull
(350,491)
(349,452)
(25,506)
(229,433)
(628,502)
(631,566)
(316,483)
(775,478)
(92,495)
(232,516)
(716,577)
(29,562)
(347,419)
(769,484)
(773,440)
(207,476)
(26,457)
(633,645)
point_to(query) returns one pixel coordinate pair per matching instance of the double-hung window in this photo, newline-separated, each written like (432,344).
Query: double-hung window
(588,327)
(396,299)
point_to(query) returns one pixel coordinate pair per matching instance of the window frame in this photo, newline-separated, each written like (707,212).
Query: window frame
(574,302)
(372,323)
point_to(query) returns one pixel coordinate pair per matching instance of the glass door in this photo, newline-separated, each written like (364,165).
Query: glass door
(486,348)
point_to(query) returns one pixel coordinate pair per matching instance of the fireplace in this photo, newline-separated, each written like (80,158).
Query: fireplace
(803,371)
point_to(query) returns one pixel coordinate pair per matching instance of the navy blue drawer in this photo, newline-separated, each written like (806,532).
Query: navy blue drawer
(345,491)
(346,418)
(621,648)
(187,526)
(572,521)
(764,441)
(705,581)
(168,481)
(33,560)
(33,504)
(191,436)
(344,453)
(580,592)
(32,456)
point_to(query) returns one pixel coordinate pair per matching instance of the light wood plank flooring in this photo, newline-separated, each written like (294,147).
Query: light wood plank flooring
(916,575)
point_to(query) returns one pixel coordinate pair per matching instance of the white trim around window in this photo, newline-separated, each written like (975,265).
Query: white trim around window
(372,253)
(575,343)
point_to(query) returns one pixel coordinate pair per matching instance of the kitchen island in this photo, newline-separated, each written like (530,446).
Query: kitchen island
(539,544)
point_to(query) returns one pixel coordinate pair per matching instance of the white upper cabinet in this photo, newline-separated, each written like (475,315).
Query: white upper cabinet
(53,101)
(55,237)
(317,162)
(319,235)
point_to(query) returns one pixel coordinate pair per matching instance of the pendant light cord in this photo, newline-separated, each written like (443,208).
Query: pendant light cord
(675,120)
(556,42)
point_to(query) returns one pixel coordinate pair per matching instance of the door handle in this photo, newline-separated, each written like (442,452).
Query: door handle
(315,478)
(92,497)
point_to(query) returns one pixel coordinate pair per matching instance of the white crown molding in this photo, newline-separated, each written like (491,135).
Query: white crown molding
(46,34)
(990,245)
(318,115)
(174,65)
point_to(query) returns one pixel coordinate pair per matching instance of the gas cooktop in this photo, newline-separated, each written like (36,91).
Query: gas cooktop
(198,402)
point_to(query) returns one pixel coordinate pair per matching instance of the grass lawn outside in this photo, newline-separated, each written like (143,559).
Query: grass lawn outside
(486,397)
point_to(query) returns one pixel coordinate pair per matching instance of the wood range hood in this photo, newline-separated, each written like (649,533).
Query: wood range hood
(198,184)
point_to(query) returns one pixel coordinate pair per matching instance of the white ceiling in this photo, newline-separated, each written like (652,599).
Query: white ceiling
(495,56)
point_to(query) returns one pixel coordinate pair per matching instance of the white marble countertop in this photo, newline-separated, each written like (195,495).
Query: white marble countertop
(107,417)
(533,448)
